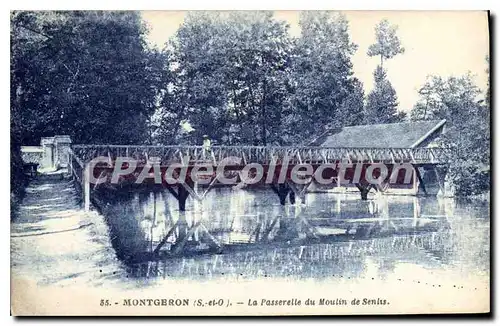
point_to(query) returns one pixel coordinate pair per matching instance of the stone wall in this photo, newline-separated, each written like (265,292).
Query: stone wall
(32,154)
(51,154)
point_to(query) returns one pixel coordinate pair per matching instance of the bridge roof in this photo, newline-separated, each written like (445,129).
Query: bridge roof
(392,135)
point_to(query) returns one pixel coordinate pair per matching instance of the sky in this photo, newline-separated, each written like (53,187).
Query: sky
(445,43)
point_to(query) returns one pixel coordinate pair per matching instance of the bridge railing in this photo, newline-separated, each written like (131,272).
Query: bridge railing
(263,154)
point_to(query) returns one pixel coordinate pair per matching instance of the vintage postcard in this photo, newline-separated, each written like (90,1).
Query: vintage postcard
(246,163)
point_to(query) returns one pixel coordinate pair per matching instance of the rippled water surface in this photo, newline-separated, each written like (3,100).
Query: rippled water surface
(330,236)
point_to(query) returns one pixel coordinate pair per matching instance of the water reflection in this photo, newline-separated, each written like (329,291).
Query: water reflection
(332,234)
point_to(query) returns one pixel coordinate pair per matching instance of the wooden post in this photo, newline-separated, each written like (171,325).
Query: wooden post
(282,191)
(364,190)
(70,164)
(86,187)
(182,197)
(415,180)
(419,181)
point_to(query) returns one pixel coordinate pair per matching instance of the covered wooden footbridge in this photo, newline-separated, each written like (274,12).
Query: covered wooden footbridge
(416,146)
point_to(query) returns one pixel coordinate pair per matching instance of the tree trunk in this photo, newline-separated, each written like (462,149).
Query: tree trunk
(263,115)
(252,100)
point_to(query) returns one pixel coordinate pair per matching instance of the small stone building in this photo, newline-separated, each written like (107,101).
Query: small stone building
(51,154)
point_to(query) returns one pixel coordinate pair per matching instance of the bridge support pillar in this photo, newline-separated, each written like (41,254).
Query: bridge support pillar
(183,194)
(364,190)
(430,180)
(283,191)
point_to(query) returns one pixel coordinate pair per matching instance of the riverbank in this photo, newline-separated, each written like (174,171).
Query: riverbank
(54,242)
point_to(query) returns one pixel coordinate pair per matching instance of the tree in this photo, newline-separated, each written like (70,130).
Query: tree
(468,137)
(467,133)
(352,109)
(195,94)
(323,77)
(88,74)
(382,101)
(387,43)
(263,58)
(242,79)
(231,77)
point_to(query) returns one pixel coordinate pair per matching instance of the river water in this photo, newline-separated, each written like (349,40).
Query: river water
(329,236)
(421,254)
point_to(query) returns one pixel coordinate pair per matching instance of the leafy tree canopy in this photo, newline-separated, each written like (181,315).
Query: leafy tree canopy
(387,44)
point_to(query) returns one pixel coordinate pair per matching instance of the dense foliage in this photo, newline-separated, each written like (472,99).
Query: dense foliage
(326,94)
(232,79)
(88,74)
(461,103)
(245,80)
(82,74)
